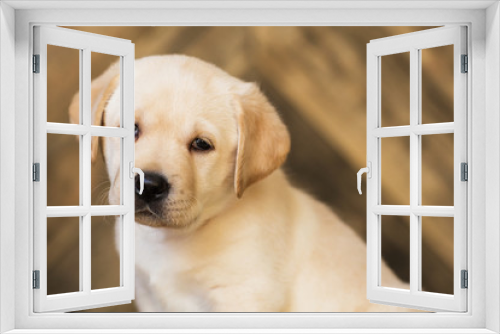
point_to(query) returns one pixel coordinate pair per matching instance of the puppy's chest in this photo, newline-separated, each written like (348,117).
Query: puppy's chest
(174,277)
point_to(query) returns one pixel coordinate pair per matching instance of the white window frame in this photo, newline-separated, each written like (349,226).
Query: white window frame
(483,21)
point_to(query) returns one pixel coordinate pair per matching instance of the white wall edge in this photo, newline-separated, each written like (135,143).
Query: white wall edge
(245,4)
(191,17)
(7,166)
(259,331)
(492,166)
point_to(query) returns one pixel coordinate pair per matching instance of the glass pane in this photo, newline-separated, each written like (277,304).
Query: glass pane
(63,170)
(106,183)
(437,169)
(63,255)
(63,82)
(105,257)
(437,84)
(395,82)
(105,90)
(395,243)
(437,254)
(395,170)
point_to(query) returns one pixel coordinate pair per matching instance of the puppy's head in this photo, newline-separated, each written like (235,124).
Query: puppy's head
(202,138)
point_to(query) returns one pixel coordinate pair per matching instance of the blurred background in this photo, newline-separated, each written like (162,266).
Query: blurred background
(316,78)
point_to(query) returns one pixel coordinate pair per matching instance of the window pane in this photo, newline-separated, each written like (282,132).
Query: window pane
(106,91)
(106,182)
(63,255)
(395,99)
(63,170)
(437,84)
(437,169)
(437,254)
(395,170)
(105,257)
(395,244)
(63,82)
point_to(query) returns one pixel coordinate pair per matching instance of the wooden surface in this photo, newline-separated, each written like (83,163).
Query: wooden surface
(316,77)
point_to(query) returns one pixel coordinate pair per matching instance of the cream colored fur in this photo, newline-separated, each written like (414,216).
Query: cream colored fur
(233,235)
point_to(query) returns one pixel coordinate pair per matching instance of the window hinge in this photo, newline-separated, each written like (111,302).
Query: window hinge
(464,168)
(36,63)
(36,279)
(465,64)
(36,172)
(464,279)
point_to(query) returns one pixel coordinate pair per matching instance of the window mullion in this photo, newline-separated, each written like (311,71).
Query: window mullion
(414,170)
(86,168)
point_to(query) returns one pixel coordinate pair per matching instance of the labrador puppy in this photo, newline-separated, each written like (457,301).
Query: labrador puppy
(219,226)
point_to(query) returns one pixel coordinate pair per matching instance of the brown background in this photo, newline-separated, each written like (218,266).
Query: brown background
(316,77)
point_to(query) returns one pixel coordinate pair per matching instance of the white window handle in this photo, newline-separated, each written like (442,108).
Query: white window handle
(368,171)
(133,171)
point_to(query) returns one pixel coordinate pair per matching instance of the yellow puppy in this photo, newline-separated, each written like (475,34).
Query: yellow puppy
(219,226)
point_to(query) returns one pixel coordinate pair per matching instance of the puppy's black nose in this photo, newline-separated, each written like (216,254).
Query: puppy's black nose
(156,187)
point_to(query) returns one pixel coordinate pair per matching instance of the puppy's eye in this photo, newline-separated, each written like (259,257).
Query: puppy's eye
(136,131)
(201,145)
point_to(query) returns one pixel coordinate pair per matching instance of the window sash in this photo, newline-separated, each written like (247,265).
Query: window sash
(86,297)
(413,43)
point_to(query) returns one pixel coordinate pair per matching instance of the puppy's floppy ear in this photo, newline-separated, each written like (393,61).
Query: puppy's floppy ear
(263,139)
(100,90)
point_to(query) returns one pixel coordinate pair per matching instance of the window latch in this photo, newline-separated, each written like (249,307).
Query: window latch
(133,170)
(368,171)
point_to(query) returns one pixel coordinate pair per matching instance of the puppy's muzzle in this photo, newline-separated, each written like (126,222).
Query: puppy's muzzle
(156,188)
